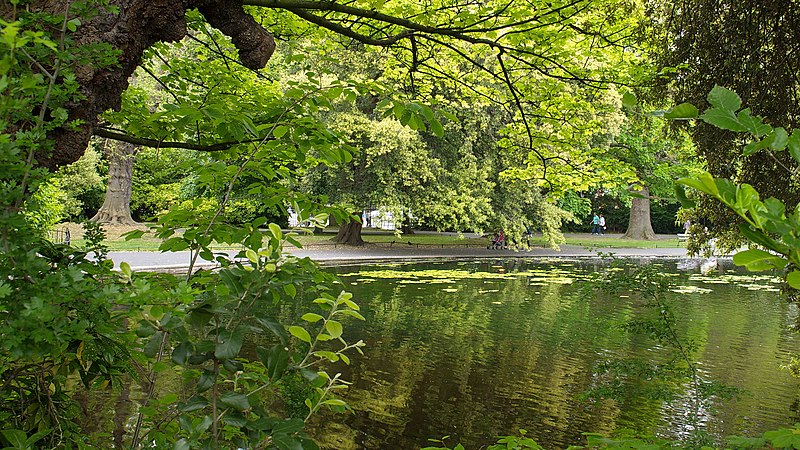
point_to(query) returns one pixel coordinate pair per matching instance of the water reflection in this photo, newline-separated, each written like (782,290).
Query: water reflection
(473,350)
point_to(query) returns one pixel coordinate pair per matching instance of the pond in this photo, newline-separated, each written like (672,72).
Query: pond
(478,349)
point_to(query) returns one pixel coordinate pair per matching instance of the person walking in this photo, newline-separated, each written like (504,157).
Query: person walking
(595,224)
(602,225)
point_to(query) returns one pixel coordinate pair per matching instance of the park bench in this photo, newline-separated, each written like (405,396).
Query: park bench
(682,237)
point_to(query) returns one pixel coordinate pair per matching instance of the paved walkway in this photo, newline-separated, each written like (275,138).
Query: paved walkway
(345,254)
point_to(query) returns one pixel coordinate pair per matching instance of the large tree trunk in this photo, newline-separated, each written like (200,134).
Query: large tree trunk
(405,225)
(349,233)
(134,27)
(116,209)
(639,226)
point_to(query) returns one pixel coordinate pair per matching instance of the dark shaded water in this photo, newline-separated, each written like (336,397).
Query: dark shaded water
(477,349)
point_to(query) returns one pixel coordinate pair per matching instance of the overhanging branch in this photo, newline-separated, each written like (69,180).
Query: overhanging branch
(344,31)
(155,143)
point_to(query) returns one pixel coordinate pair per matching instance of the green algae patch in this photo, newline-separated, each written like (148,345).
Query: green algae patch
(690,290)
(450,276)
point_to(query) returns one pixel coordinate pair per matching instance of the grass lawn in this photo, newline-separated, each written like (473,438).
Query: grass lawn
(148,242)
(588,240)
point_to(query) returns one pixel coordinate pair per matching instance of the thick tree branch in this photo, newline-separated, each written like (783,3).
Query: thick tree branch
(155,143)
(313,5)
(344,31)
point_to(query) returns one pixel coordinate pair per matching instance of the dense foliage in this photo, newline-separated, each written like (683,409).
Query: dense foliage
(742,46)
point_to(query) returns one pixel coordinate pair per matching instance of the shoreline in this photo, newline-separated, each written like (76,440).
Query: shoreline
(341,256)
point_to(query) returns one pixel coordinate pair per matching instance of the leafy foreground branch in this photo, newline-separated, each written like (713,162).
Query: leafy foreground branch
(772,228)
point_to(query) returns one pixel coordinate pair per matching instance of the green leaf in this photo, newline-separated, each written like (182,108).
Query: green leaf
(427,113)
(134,234)
(73,24)
(182,352)
(300,333)
(288,426)
(195,403)
(125,268)
(780,139)
(280,131)
(349,303)
(683,111)
(757,260)
(793,278)
(629,100)
(449,116)
(755,146)
(703,183)
(229,344)
(207,379)
(793,143)
(722,118)
(760,238)
(37,436)
(351,313)
(153,345)
(437,128)
(334,328)
(330,356)
(16,438)
(276,231)
(235,400)
(252,256)
(231,281)
(724,98)
(754,124)
(276,360)
(273,325)
(746,196)
(680,194)
(398,110)
(311,317)
(286,442)
(290,290)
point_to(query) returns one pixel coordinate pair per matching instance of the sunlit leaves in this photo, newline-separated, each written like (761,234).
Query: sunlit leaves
(793,278)
(757,260)
(300,333)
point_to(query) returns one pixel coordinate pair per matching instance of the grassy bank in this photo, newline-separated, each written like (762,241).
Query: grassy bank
(149,242)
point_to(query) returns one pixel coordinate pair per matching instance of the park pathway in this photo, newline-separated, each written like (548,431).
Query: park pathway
(340,255)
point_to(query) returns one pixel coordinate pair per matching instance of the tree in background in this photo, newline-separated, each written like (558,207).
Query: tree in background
(116,208)
(391,168)
(658,157)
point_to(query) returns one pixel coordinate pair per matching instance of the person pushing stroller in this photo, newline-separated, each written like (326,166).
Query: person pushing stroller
(498,240)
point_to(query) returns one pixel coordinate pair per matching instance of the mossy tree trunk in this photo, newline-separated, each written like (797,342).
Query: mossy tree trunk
(116,209)
(639,226)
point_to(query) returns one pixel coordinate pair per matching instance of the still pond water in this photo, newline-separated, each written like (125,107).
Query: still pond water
(477,349)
